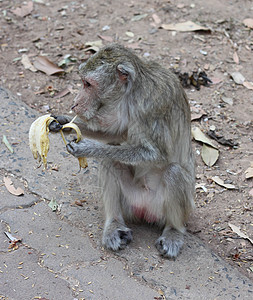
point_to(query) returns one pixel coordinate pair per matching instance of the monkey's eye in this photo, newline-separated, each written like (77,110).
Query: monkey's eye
(86,83)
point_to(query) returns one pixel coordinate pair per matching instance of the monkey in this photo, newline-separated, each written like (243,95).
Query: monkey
(135,118)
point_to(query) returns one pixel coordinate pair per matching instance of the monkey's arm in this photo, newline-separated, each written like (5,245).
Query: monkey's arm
(86,132)
(127,154)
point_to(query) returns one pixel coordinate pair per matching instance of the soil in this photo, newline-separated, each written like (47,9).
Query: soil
(60,29)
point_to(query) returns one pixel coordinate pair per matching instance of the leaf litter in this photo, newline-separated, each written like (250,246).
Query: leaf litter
(11,189)
(43,64)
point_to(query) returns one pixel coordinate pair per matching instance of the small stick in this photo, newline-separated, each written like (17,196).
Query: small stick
(73,119)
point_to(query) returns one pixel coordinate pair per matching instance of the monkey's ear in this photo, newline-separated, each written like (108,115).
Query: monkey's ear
(126,71)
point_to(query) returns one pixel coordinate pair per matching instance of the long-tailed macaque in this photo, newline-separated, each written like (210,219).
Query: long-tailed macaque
(135,117)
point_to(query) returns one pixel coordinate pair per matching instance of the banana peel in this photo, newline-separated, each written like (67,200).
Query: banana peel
(39,140)
(82,160)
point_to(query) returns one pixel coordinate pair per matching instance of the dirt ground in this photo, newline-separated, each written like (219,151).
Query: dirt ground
(60,30)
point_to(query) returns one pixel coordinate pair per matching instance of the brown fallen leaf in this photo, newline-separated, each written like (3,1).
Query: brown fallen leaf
(220,182)
(11,189)
(216,80)
(27,64)
(239,232)
(248,23)
(24,10)
(134,46)
(236,58)
(43,64)
(248,85)
(184,27)
(106,38)
(64,92)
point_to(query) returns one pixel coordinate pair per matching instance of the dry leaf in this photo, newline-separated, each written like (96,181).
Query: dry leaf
(209,155)
(197,113)
(248,85)
(227,100)
(216,80)
(95,44)
(24,10)
(27,64)
(156,19)
(201,186)
(106,38)
(185,26)
(43,64)
(249,173)
(239,232)
(64,92)
(7,144)
(9,185)
(134,46)
(220,182)
(201,137)
(129,34)
(237,77)
(138,17)
(236,58)
(248,23)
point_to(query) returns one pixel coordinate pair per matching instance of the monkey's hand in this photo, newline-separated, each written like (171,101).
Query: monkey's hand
(58,122)
(124,153)
(84,146)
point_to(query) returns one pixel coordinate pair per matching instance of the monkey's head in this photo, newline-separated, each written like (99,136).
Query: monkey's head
(107,78)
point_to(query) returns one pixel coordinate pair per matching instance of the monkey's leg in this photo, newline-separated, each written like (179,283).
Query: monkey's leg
(116,234)
(178,202)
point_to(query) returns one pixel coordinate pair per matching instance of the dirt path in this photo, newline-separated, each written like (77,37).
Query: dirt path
(61,30)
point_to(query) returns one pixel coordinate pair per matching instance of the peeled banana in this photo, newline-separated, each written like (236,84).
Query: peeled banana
(38,138)
(39,141)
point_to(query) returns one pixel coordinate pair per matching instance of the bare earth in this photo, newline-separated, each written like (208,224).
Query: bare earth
(59,28)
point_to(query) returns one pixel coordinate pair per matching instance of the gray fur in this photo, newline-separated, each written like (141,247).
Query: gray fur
(139,116)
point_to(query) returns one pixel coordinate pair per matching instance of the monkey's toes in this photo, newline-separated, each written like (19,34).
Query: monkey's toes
(169,248)
(117,239)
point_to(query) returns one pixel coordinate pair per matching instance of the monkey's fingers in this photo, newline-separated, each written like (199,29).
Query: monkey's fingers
(55,126)
(76,128)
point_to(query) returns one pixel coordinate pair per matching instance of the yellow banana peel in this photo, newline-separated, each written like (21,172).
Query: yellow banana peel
(39,140)
(82,160)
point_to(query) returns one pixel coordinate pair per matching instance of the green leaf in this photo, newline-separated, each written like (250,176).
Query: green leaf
(53,205)
(7,144)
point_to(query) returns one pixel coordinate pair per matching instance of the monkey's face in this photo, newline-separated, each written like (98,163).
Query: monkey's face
(106,78)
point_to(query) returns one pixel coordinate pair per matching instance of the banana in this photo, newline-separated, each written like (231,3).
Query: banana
(82,160)
(39,140)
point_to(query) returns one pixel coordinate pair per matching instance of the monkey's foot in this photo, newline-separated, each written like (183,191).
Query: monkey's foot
(117,239)
(169,245)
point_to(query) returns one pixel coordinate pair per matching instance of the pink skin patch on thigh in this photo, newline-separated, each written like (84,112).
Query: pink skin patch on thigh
(143,214)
